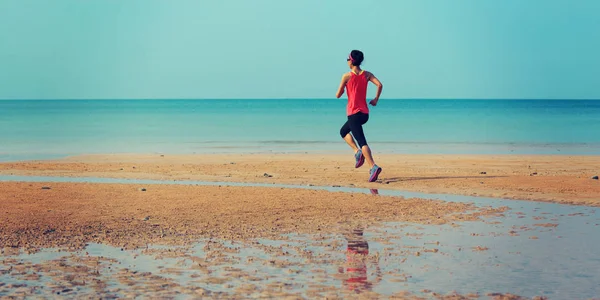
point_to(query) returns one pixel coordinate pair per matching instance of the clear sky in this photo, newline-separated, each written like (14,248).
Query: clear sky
(297,49)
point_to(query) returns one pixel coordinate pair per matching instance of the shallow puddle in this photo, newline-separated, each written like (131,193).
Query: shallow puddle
(535,249)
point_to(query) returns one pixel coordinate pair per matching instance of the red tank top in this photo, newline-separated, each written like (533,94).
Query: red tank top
(357,93)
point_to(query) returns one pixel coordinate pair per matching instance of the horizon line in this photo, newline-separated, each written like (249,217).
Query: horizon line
(289,98)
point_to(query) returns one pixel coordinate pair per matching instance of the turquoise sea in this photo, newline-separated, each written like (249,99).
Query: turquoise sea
(33,129)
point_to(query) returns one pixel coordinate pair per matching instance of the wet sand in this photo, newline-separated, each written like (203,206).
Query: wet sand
(70,216)
(562,179)
(230,262)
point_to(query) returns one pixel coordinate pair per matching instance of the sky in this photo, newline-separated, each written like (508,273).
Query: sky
(144,49)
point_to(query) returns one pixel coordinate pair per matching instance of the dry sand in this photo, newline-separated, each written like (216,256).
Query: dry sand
(558,178)
(73,214)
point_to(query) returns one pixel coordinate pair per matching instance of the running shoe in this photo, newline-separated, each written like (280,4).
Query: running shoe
(360,159)
(374,173)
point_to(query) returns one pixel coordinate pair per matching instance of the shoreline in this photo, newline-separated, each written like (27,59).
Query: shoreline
(324,148)
(547,178)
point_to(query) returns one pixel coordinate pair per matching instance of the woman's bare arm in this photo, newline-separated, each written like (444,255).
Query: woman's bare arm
(342,86)
(379,85)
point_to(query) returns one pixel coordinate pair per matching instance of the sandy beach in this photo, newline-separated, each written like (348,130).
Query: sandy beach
(231,220)
(37,216)
(69,215)
(562,179)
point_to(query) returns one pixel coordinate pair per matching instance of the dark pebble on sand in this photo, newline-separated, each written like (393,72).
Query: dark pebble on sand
(534,173)
(482,172)
(45,188)
(267,175)
(595,177)
(142,189)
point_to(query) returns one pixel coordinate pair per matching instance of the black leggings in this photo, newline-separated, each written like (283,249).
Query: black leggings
(354,125)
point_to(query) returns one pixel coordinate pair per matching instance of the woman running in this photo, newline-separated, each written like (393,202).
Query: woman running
(357,110)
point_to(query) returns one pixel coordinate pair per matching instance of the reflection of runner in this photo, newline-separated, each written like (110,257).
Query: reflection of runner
(356,267)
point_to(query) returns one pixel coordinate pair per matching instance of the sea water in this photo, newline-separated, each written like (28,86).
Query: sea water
(31,129)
